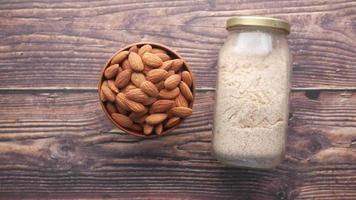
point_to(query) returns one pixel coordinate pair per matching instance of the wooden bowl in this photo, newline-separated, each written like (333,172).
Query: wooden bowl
(173,55)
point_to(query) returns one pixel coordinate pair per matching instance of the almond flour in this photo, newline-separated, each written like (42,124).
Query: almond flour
(251,112)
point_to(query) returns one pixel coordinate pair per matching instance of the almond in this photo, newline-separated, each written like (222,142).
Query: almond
(122,120)
(135,106)
(161,106)
(112,86)
(111,71)
(137,78)
(102,96)
(166,65)
(147,129)
(119,57)
(163,56)
(150,101)
(121,100)
(159,129)
(145,48)
(181,111)
(156,118)
(170,73)
(172,81)
(109,95)
(128,88)
(156,75)
(123,78)
(181,101)
(110,107)
(169,94)
(149,88)
(155,50)
(135,62)
(160,85)
(139,119)
(152,60)
(125,64)
(120,109)
(136,127)
(187,78)
(185,90)
(172,122)
(133,49)
(137,95)
(177,64)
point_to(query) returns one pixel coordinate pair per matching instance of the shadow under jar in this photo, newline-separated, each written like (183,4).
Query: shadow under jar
(253,84)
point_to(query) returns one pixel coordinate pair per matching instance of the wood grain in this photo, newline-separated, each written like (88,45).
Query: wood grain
(56,44)
(60,145)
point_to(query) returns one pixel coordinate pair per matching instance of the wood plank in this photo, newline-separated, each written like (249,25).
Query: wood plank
(59,145)
(56,44)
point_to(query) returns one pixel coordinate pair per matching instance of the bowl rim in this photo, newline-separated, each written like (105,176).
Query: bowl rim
(101,79)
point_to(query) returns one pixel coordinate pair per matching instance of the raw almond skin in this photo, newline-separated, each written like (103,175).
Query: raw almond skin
(145,48)
(166,65)
(181,111)
(156,50)
(185,90)
(156,118)
(150,101)
(135,116)
(110,107)
(102,96)
(128,88)
(160,85)
(152,60)
(137,78)
(136,127)
(159,129)
(112,86)
(111,71)
(149,88)
(109,95)
(137,95)
(133,49)
(170,73)
(169,94)
(164,57)
(122,120)
(123,78)
(147,129)
(172,81)
(121,100)
(177,64)
(162,106)
(120,109)
(135,106)
(156,75)
(187,78)
(135,62)
(181,101)
(118,58)
(125,64)
(172,122)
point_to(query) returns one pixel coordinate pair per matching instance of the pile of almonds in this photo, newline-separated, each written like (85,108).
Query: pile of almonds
(147,91)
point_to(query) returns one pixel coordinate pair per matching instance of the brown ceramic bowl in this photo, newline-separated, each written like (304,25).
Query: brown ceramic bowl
(173,55)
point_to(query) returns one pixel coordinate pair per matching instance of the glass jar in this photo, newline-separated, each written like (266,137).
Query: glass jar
(252,93)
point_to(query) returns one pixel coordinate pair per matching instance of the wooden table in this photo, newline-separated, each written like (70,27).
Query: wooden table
(55,141)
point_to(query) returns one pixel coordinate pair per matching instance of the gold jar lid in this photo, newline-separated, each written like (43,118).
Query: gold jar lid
(258,21)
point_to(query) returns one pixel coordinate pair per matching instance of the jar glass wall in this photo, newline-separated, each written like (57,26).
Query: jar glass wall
(252,94)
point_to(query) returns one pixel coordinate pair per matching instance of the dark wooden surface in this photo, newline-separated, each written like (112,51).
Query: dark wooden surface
(55,141)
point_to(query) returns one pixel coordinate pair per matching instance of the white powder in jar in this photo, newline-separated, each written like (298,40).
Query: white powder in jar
(251,111)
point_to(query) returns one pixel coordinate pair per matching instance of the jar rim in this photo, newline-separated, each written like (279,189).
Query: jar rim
(258,21)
